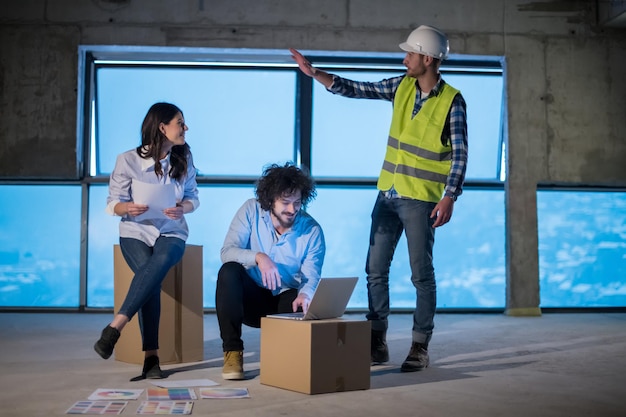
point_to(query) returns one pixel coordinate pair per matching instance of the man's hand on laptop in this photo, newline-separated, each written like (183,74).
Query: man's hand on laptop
(302,300)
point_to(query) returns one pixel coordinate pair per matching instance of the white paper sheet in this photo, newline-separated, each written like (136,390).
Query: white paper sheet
(157,197)
(184,383)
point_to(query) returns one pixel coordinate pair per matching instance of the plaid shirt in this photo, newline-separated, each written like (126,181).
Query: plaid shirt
(455,127)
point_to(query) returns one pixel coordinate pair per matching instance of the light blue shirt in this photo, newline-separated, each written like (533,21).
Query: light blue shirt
(130,166)
(298,253)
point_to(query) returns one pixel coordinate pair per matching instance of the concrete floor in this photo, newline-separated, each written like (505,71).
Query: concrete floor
(481,365)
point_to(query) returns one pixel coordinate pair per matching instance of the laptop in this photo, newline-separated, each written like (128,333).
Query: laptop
(329,300)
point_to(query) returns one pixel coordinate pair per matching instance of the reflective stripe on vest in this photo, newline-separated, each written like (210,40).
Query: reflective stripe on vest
(417,164)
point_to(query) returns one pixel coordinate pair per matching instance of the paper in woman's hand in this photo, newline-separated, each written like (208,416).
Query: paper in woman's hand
(157,197)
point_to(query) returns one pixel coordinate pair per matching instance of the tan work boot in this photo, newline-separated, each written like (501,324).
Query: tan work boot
(233,365)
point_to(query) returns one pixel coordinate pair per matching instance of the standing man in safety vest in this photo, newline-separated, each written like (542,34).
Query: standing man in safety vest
(421,177)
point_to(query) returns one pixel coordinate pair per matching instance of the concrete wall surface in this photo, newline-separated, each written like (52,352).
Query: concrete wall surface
(564,70)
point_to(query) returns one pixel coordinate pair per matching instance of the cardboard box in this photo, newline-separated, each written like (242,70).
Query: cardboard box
(181,329)
(315,356)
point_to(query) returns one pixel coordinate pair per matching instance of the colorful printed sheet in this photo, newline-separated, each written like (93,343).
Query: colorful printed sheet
(173,394)
(97,407)
(107,394)
(224,393)
(165,407)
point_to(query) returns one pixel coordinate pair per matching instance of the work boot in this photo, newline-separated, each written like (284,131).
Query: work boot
(104,346)
(233,365)
(151,368)
(417,358)
(380,351)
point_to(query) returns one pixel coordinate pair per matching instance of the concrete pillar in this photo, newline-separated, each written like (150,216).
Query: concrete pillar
(526,165)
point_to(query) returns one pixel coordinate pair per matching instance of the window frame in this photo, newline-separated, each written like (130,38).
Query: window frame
(89,54)
(95,57)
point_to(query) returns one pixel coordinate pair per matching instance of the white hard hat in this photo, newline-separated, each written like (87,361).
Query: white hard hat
(427,40)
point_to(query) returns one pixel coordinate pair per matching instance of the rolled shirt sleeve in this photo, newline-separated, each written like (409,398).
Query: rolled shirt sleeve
(298,253)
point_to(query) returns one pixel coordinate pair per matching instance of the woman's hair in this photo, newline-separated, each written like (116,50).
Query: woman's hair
(152,140)
(278,181)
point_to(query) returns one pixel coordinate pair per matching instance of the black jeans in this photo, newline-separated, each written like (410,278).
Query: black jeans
(239,300)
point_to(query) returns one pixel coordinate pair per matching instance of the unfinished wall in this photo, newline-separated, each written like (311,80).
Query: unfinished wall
(565,74)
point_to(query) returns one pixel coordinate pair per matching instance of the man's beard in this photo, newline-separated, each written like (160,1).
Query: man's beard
(284,223)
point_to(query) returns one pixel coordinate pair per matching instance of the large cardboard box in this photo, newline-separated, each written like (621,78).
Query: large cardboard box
(181,329)
(315,356)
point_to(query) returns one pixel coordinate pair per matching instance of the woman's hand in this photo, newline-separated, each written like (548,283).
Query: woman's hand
(174,213)
(130,208)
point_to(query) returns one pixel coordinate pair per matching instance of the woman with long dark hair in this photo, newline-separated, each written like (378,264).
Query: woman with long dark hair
(151,241)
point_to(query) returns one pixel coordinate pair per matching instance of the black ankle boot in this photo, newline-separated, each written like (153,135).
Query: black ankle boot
(417,358)
(151,368)
(104,346)
(380,351)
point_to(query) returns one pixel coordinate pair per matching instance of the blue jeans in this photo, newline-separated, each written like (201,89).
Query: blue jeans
(150,265)
(390,217)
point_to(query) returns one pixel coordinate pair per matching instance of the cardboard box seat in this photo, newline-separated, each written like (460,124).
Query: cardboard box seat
(181,328)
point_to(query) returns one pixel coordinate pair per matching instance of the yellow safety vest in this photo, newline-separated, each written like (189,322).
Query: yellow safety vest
(417,164)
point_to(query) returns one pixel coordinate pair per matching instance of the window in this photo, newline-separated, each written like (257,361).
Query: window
(468,254)
(344,128)
(582,250)
(245,114)
(231,114)
(248,108)
(40,245)
(207,227)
